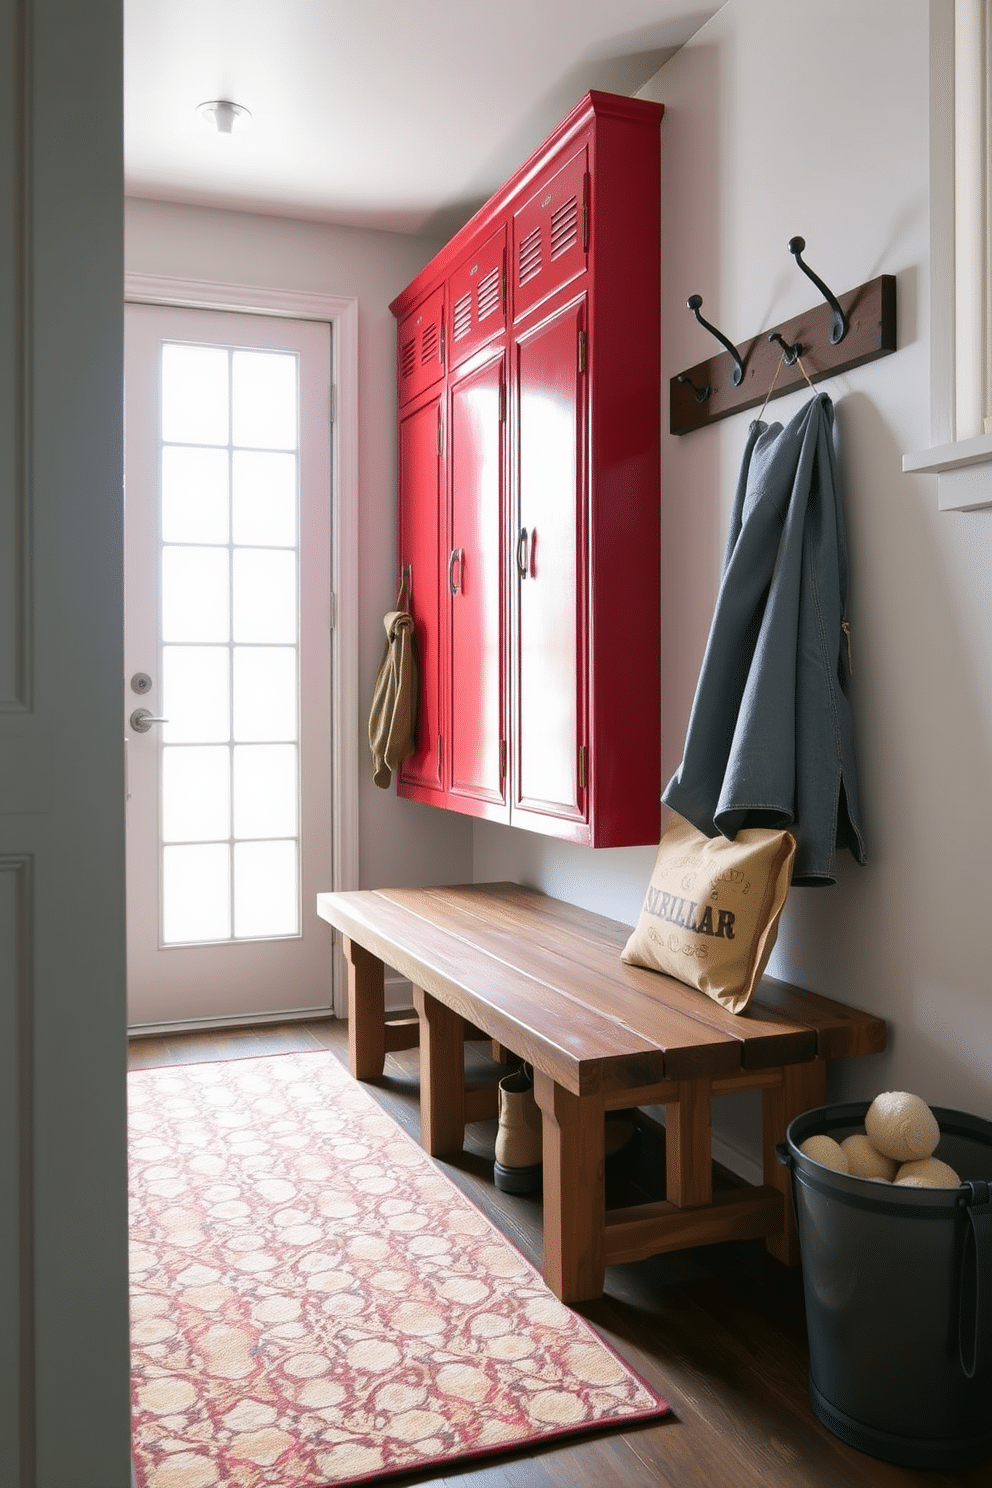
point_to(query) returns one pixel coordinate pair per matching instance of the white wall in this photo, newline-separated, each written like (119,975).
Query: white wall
(400,842)
(785,119)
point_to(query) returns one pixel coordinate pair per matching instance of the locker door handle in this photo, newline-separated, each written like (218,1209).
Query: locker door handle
(521,553)
(456,557)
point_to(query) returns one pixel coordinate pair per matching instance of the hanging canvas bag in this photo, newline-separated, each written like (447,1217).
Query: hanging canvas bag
(393,717)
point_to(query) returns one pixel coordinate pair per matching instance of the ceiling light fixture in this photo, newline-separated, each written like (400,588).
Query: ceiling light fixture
(223,114)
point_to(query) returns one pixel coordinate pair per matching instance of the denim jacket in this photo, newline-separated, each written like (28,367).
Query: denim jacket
(770,741)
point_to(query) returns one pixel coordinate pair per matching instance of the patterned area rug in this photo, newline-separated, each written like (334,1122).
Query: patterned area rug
(314,1302)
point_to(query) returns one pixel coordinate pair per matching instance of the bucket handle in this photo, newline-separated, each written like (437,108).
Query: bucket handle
(786,1160)
(977,1254)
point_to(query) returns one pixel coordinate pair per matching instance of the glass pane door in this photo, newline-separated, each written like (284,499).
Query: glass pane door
(230,656)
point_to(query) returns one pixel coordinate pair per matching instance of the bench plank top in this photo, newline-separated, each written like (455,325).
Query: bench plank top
(545,978)
(520,1012)
(660,1006)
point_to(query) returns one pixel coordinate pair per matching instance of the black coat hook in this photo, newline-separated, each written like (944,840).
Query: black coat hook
(702,393)
(792,353)
(693,303)
(839,331)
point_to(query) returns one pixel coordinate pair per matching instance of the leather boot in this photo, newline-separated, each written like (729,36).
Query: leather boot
(518,1140)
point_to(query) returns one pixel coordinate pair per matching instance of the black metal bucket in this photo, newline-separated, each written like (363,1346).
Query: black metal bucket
(898,1287)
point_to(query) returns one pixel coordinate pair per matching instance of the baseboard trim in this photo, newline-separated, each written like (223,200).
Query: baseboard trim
(741,1164)
(218,1024)
(738,1162)
(399,994)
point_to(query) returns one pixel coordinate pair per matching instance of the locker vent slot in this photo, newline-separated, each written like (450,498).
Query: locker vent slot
(564,227)
(429,345)
(408,357)
(489,293)
(463,315)
(530,256)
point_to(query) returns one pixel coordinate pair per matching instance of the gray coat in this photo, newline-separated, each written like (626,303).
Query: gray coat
(770,741)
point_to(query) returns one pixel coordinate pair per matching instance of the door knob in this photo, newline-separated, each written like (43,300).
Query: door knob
(141,720)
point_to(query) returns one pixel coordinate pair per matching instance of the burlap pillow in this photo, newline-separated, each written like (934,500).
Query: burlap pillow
(711,912)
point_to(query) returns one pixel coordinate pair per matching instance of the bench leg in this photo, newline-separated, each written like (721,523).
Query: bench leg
(574,1191)
(689,1146)
(366,1012)
(803,1087)
(442,1076)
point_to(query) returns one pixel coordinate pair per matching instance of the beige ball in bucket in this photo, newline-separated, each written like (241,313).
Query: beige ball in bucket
(901,1126)
(865,1161)
(825,1150)
(927,1172)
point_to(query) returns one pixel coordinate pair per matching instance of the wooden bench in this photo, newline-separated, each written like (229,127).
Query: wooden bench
(545,980)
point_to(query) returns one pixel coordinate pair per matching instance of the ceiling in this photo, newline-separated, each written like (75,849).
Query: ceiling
(403,115)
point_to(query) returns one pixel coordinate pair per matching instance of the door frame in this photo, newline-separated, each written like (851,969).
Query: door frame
(341,313)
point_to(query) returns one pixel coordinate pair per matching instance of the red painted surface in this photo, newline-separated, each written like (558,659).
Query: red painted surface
(477,299)
(564,663)
(548,577)
(420,513)
(420,347)
(549,233)
(475,588)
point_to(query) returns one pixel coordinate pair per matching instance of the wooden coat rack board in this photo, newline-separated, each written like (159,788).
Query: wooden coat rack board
(870,312)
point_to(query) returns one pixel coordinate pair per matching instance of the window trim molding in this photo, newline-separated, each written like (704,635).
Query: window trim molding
(942,290)
(341,313)
(962,482)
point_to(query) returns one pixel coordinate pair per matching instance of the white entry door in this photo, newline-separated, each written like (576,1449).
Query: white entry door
(228,668)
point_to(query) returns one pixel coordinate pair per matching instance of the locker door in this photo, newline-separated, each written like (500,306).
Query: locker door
(477,299)
(475,585)
(550,234)
(420,509)
(549,565)
(420,346)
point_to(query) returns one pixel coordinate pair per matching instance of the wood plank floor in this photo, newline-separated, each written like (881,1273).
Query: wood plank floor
(719,1331)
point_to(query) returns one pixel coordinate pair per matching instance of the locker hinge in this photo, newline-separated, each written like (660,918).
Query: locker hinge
(583,766)
(442,344)
(440,751)
(334,611)
(440,433)
(332,402)
(585,227)
(502,761)
(504,289)
(582,351)
(502,402)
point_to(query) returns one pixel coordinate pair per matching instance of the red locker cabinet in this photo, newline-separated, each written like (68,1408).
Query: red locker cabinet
(529,491)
